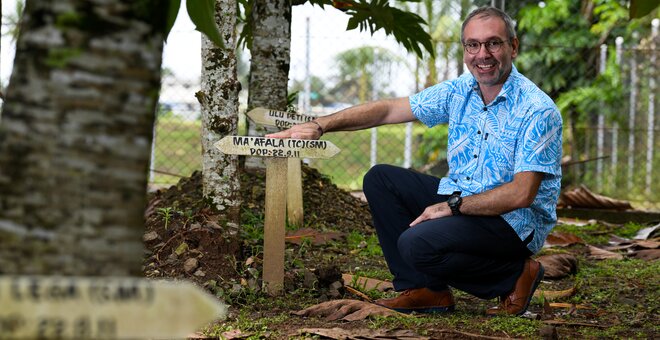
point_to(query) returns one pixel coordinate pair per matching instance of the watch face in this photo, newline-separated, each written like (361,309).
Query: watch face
(453,200)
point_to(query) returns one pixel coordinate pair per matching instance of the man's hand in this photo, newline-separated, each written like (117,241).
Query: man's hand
(433,211)
(307,130)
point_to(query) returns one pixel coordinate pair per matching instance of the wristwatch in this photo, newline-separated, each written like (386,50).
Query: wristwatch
(454,203)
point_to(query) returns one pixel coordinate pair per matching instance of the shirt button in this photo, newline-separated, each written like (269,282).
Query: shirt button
(485,108)
(468,178)
(475,156)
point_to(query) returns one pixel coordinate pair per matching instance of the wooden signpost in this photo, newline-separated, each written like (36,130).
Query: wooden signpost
(52,307)
(284,120)
(277,152)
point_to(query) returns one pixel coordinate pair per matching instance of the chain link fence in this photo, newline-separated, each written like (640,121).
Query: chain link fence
(611,134)
(611,139)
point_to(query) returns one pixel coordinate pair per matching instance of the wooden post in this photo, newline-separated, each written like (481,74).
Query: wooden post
(274,226)
(277,151)
(285,120)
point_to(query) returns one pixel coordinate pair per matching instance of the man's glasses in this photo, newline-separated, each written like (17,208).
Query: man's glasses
(492,46)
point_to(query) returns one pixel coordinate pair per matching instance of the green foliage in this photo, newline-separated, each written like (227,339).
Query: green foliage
(202,14)
(604,95)
(364,245)
(166,213)
(640,8)
(432,145)
(406,27)
(172,13)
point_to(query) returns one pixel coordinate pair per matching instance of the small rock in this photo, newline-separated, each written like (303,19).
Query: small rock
(549,332)
(195,226)
(190,265)
(309,279)
(199,273)
(150,236)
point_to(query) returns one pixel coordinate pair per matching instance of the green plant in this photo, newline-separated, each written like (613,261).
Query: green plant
(166,213)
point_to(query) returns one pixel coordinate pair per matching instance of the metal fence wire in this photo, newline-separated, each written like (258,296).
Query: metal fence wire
(611,125)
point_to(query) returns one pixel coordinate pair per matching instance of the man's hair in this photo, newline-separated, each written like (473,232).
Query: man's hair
(485,12)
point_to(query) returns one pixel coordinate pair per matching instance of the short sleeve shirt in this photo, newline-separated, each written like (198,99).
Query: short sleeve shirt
(521,130)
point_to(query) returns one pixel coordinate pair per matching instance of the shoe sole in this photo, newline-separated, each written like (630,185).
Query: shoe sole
(429,310)
(537,281)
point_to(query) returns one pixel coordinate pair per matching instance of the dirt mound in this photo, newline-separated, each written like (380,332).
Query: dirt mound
(184,239)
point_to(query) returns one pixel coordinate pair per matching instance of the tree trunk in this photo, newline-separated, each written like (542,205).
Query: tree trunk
(269,68)
(75,137)
(219,102)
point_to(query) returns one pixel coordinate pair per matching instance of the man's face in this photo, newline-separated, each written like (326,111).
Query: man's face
(489,68)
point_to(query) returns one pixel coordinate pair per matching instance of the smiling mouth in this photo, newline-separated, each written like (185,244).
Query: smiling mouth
(485,67)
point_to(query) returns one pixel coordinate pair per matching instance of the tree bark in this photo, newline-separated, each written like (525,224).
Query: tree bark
(269,68)
(75,137)
(219,102)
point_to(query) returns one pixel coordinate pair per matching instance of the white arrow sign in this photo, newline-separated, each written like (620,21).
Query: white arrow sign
(280,119)
(276,147)
(44,307)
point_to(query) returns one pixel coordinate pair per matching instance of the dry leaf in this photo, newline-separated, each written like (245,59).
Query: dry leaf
(568,305)
(347,310)
(339,333)
(317,237)
(646,254)
(562,239)
(602,254)
(558,266)
(647,233)
(366,284)
(552,295)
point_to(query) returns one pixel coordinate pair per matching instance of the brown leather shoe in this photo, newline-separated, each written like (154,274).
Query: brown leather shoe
(421,300)
(516,302)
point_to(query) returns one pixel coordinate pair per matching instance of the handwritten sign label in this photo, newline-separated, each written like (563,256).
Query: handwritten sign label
(40,307)
(280,119)
(276,147)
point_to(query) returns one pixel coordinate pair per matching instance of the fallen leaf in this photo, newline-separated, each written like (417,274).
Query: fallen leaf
(562,239)
(317,237)
(568,305)
(558,266)
(646,254)
(366,284)
(602,254)
(552,295)
(339,333)
(647,233)
(150,236)
(347,310)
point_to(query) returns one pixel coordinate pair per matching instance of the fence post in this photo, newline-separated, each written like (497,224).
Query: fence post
(601,127)
(374,147)
(615,127)
(651,118)
(407,152)
(631,113)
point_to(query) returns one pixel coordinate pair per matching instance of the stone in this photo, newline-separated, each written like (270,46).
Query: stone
(190,265)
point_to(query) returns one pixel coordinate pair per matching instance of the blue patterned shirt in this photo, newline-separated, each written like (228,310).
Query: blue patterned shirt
(521,130)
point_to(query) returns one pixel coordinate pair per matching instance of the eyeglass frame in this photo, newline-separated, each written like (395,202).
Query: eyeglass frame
(485,44)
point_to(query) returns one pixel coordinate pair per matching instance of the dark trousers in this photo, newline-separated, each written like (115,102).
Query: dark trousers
(481,255)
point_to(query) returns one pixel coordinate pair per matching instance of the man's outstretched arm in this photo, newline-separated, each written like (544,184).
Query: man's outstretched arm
(388,111)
